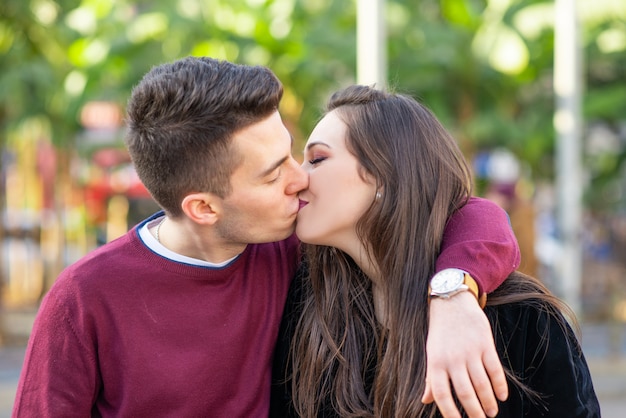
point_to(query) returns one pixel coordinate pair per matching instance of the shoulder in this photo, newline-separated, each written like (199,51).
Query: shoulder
(537,344)
(97,268)
(530,323)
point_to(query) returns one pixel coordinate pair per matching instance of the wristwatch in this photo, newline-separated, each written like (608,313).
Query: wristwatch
(449,282)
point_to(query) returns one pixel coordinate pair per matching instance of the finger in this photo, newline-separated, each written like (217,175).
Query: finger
(483,389)
(442,395)
(466,394)
(494,369)
(428,394)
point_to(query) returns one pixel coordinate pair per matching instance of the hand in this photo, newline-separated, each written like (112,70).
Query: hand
(460,348)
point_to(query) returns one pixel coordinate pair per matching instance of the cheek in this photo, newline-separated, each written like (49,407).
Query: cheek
(332,180)
(256,208)
(340,197)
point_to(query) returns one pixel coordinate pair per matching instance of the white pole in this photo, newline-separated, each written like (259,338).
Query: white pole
(371,43)
(568,127)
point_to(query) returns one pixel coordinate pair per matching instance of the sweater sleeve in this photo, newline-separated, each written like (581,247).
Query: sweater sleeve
(478,239)
(59,375)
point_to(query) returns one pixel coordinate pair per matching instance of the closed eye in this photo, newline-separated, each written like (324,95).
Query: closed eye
(275,179)
(316,160)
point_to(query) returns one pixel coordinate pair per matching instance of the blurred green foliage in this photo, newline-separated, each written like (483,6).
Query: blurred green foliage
(483,66)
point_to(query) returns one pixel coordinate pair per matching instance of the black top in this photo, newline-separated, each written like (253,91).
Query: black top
(541,351)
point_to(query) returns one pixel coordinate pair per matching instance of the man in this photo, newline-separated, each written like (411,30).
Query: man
(179,317)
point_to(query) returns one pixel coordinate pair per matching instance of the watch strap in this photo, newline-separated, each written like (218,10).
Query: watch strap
(472,286)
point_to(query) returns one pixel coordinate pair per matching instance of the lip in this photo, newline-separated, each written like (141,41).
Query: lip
(303,203)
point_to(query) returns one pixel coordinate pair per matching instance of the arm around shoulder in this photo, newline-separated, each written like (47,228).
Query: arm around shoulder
(460,348)
(479,239)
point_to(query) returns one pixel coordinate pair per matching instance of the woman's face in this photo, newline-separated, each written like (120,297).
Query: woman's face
(337,195)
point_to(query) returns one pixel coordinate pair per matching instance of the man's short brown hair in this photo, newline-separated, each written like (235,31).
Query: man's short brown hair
(181,117)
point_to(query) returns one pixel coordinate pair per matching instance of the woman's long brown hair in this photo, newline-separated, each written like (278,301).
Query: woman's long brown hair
(423,178)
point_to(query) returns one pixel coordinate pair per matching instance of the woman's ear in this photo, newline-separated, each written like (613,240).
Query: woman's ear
(380,190)
(202,208)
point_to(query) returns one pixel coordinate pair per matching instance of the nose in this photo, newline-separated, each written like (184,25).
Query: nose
(299,178)
(305,166)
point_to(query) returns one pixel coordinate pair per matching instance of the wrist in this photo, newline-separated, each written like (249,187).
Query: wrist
(449,282)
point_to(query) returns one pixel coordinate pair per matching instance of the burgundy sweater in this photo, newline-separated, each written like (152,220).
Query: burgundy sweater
(125,332)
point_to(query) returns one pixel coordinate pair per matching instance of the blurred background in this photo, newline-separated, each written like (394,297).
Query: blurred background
(534,91)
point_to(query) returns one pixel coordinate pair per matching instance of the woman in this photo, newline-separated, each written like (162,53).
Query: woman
(384,178)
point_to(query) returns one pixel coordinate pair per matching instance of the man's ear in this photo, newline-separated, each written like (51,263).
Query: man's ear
(202,208)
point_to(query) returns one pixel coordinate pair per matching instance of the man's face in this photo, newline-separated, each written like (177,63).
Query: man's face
(263,204)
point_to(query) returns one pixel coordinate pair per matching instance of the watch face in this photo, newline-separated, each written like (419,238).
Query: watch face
(447,281)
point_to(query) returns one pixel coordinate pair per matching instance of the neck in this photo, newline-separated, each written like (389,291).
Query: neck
(380,304)
(192,240)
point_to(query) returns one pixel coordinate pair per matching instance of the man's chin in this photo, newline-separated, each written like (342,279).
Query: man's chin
(277,236)
(289,232)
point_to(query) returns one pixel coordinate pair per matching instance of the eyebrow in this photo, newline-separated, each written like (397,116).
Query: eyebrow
(312,144)
(277,164)
(274,166)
